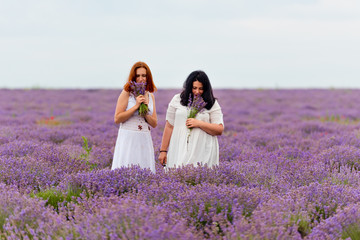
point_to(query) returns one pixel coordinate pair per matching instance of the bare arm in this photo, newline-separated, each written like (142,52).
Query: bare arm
(152,119)
(120,114)
(210,128)
(165,142)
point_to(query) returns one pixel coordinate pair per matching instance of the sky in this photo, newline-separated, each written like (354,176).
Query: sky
(239,44)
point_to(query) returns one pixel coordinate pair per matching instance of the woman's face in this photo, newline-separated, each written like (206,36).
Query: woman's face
(140,75)
(197,88)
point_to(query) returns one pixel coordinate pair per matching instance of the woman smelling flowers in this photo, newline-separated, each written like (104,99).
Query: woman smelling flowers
(135,111)
(179,145)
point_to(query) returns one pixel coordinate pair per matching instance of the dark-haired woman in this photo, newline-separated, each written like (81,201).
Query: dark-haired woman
(134,145)
(202,145)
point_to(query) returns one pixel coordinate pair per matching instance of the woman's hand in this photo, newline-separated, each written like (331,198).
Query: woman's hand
(163,158)
(140,99)
(193,123)
(147,99)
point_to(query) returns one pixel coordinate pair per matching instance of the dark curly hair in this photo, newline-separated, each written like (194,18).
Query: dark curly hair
(207,95)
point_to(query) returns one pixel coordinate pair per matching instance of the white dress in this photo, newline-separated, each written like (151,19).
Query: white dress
(134,145)
(200,147)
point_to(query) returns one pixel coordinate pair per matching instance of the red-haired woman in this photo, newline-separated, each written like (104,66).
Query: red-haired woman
(134,145)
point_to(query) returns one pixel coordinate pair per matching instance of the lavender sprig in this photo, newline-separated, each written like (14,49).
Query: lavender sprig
(195,105)
(138,89)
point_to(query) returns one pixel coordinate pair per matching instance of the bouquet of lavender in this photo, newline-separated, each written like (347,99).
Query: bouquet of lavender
(194,107)
(139,89)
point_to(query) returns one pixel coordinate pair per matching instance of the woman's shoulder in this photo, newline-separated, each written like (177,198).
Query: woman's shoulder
(125,93)
(177,96)
(151,95)
(175,101)
(215,106)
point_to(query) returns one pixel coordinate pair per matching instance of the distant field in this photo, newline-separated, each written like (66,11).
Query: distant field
(289,169)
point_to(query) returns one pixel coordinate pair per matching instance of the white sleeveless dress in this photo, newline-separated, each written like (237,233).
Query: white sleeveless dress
(134,145)
(199,147)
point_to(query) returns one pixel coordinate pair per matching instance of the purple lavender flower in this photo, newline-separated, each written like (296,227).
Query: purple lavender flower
(195,105)
(138,89)
(22,217)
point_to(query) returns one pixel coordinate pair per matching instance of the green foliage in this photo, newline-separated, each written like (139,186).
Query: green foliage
(3,217)
(143,109)
(321,213)
(193,112)
(304,227)
(73,192)
(52,196)
(303,224)
(352,232)
(339,119)
(86,147)
(86,155)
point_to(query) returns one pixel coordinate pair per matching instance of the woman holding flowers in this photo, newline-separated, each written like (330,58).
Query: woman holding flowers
(136,113)
(193,120)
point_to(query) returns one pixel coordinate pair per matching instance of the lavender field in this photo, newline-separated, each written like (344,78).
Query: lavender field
(289,169)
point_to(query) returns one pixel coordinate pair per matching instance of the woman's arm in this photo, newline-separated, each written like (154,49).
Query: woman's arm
(120,114)
(165,142)
(210,128)
(152,119)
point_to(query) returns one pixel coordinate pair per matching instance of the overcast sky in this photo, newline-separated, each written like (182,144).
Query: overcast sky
(239,44)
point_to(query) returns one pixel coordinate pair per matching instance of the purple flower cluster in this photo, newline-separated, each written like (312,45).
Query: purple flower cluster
(195,105)
(22,217)
(289,169)
(138,89)
(344,225)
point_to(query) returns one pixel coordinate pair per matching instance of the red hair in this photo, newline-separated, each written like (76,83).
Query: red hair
(150,86)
